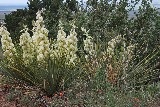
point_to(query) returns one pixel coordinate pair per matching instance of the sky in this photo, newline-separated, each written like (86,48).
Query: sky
(13,2)
(24,2)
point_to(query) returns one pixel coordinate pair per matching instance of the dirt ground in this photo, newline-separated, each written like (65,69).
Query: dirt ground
(4,102)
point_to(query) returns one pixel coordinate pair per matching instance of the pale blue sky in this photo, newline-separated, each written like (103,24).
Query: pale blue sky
(13,2)
(24,2)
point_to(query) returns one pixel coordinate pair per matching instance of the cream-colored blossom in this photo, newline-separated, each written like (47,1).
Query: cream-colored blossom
(7,45)
(40,38)
(72,45)
(61,40)
(59,47)
(129,51)
(88,43)
(26,43)
(65,47)
(112,45)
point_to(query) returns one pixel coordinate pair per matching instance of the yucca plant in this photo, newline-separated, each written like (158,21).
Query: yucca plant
(38,61)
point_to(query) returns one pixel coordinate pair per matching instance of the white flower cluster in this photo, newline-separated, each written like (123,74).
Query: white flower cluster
(61,41)
(71,46)
(7,45)
(40,38)
(88,44)
(26,43)
(112,44)
(129,51)
(38,46)
(66,47)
